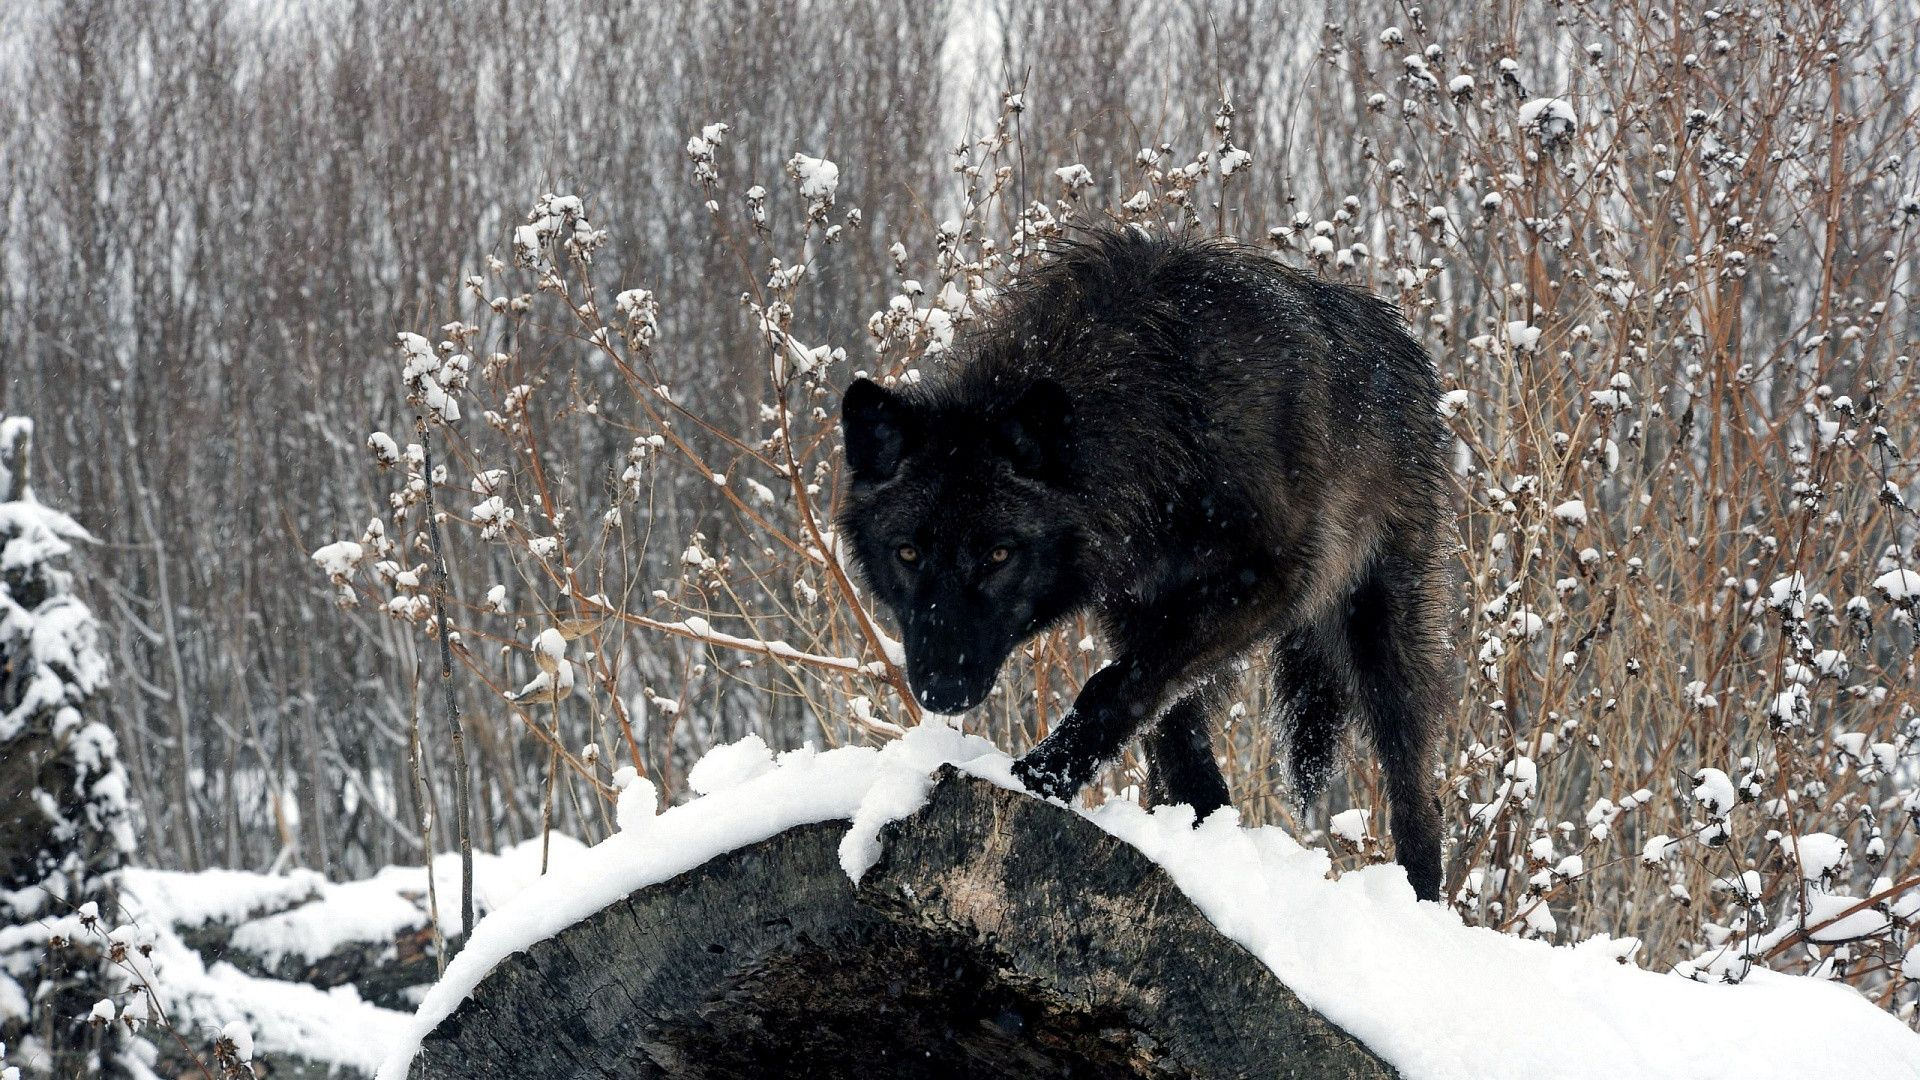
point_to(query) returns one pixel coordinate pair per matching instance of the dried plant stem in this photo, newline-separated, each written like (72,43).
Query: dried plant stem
(423,798)
(463,823)
(546,807)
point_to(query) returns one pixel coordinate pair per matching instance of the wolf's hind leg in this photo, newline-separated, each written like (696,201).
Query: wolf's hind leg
(1397,632)
(1179,751)
(1311,698)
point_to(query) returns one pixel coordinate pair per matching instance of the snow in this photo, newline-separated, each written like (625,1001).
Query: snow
(197,999)
(642,310)
(35,534)
(1552,118)
(1833,919)
(238,1034)
(1789,595)
(730,766)
(1820,855)
(819,179)
(700,628)
(1898,585)
(310,918)
(56,643)
(13,1000)
(1074,177)
(1833,662)
(639,800)
(337,560)
(302,915)
(548,687)
(1519,778)
(1571,512)
(492,514)
(1431,995)
(228,897)
(385,451)
(288,1018)
(1790,706)
(1522,335)
(895,794)
(1350,825)
(549,649)
(357,911)
(1658,848)
(67,666)
(553,219)
(1418,72)
(1713,790)
(431,379)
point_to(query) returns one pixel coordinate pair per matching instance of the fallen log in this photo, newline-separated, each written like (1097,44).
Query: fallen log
(374,936)
(996,936)
(899,912)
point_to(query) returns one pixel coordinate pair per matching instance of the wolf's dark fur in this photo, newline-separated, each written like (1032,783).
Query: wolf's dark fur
(1213,453)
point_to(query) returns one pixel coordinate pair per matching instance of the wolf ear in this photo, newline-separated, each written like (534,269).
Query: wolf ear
(1037,433)
(877,425)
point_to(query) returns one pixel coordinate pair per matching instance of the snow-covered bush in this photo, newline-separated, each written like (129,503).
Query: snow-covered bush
(66,825)
(1687,549)
(1688,712)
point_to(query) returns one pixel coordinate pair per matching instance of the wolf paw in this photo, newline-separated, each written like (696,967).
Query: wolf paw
(1048,774)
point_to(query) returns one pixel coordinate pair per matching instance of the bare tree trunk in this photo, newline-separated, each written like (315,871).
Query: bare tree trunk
(183,713)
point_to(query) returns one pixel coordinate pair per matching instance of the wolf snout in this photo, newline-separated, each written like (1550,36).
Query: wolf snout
(947,701)
(949,686)
(947,696)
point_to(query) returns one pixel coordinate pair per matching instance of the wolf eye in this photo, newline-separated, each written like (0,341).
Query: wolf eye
(1000,554)
(908,553)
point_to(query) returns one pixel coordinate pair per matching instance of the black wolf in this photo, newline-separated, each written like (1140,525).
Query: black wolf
(1213,453)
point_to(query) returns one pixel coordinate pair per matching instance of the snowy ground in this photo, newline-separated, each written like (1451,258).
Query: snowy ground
(292,922)
(1434,997)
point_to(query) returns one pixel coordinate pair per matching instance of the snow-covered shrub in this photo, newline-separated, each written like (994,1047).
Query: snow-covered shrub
(66,825)
(1674,315)
(1687,552)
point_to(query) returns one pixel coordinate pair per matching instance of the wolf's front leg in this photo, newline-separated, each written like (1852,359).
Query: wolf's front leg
(1115,705)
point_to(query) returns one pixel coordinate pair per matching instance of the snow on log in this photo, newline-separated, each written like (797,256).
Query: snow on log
(959,927)
(997,936)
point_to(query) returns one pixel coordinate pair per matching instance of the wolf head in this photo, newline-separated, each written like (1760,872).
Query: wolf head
(960,520)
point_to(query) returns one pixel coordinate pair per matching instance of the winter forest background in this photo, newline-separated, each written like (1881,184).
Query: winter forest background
(1664,257)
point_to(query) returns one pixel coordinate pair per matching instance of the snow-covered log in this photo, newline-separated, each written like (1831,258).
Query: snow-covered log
(996,936)
(375,936)
(908,911)
(313,969)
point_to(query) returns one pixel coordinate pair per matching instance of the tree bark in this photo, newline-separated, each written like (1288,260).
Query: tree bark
(997,936)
